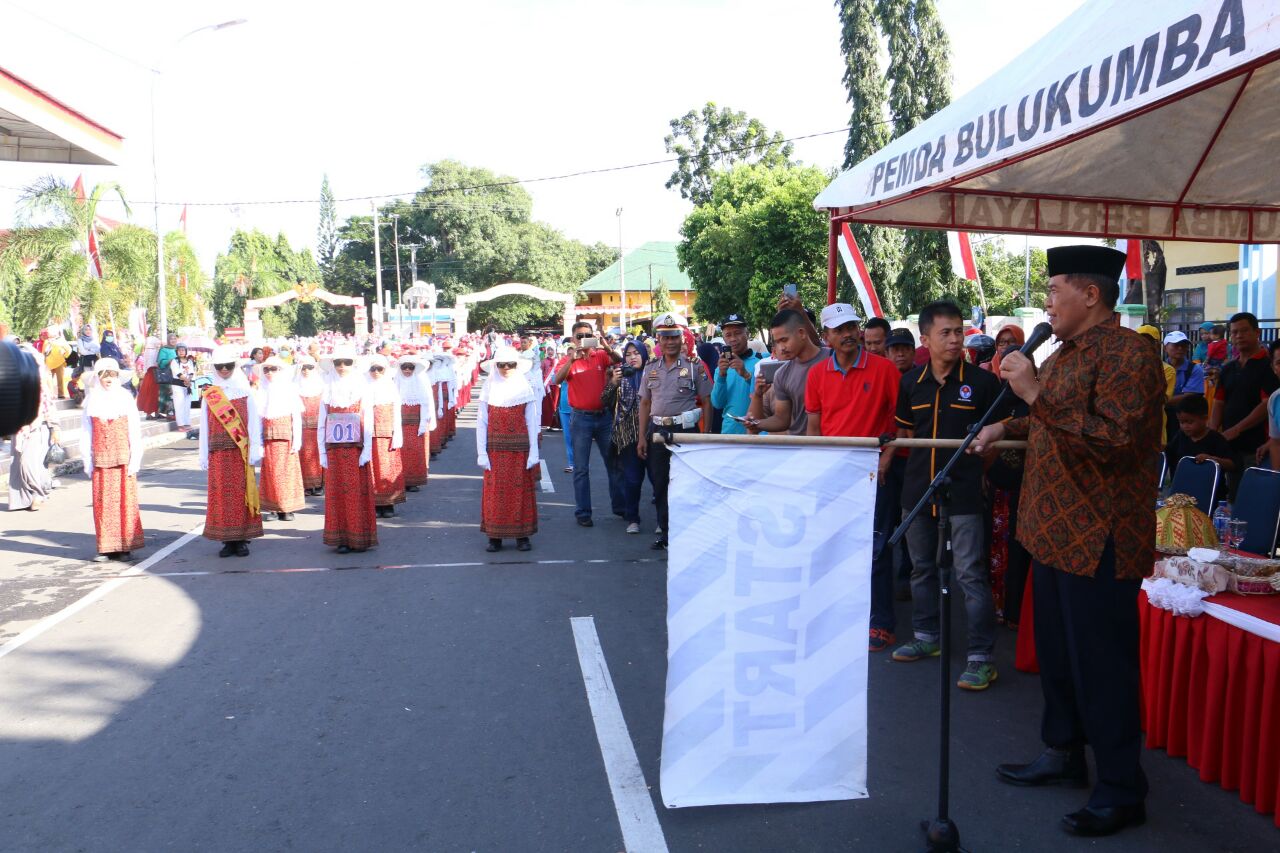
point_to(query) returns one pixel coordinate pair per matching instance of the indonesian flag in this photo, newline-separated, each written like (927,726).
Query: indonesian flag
(182,220)
(857,269)
(1132,261)
(95,260)
(962,263)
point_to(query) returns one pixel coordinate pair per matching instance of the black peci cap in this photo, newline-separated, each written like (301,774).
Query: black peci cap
(1086,260)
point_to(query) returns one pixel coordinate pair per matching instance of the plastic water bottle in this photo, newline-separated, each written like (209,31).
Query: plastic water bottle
(1221,516)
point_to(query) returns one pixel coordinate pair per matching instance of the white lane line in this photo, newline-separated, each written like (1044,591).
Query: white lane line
(97,594)
(641,832)
(547,485)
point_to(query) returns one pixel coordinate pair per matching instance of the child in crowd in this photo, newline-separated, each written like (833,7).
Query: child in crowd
(1195,439)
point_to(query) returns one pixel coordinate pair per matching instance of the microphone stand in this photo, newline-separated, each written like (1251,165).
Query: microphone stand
(941,834)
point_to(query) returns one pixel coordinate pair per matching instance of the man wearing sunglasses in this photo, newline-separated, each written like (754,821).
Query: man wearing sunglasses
(585,373)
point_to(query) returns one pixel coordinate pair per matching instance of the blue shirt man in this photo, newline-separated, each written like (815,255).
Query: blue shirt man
(1188,376)
(734,375)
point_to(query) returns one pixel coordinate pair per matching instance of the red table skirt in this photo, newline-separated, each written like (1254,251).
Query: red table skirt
(1211,692)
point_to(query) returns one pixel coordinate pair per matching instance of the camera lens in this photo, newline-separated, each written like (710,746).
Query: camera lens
(19,389)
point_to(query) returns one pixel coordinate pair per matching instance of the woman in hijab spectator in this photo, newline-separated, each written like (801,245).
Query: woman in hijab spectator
(507,420)
(622,397)
(111,446)
(29,479)
(108,348)
(149,389)
(183,368)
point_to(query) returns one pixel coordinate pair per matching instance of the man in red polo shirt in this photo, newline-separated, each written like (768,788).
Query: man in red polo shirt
(585,373)
(854,393)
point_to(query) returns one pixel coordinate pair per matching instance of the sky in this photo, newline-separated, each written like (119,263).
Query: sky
(367,93)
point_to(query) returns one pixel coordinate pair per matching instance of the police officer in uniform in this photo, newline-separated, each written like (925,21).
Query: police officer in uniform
(675,394)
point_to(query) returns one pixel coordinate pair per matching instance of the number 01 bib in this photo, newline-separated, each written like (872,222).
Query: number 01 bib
(344,428)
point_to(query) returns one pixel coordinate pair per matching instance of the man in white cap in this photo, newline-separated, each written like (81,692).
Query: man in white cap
(1188,377)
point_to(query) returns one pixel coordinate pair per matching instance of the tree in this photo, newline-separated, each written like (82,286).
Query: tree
(757,232)
(662,301)
(1003,274)
(327,232)
(868,132)
(718,138)
(255,265)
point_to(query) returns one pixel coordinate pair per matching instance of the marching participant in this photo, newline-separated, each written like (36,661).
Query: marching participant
(1087,517)
(230,447)
(281,440)
(310,389)
(112,450)
(436,380)
(345,433)
(417,416)
(507,449)
(388,438)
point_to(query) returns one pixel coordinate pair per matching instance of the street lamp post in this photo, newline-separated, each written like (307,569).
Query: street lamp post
(161,289)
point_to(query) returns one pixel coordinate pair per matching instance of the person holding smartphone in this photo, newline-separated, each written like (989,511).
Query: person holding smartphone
(585,373)
(734,376)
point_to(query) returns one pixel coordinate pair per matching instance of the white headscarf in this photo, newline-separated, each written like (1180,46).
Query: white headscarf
(513,390)
(236,385)
(310,384)
(344,391)
(415,390)
(278,395)
(107,404)
(382,387)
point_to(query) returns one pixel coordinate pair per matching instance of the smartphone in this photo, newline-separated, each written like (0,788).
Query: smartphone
(768,369)
(740,420)
(788,290)
(589,343)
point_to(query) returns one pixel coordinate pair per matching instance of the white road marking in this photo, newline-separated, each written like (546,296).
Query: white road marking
(641,832)
(97,594)
(547,485)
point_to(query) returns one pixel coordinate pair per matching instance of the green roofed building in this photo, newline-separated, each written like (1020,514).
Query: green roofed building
(647,269)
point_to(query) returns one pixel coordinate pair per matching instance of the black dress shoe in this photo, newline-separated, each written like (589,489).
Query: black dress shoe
(522,544)
(585,522)
(411,488)
(228,550)
(659,545)
(1064,767)
(124,556)
(494,545)
(242,549)
(1105,820)
(343,549)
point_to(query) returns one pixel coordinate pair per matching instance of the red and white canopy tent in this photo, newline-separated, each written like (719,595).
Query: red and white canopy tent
(1156,120)
(35,127)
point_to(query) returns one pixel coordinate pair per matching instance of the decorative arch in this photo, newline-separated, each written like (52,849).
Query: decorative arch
(513,288)
(303,291)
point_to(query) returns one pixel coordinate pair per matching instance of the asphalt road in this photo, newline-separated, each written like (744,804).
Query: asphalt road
(428,696)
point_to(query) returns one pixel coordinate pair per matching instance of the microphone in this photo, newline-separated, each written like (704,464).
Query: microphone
(1041,333)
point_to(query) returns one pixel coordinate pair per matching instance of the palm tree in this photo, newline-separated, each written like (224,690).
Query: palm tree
(44,262)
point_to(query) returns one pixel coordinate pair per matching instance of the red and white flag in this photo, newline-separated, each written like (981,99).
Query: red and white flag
(1132,261)
(91,248)
(182,220)
(962,262)
(857,269)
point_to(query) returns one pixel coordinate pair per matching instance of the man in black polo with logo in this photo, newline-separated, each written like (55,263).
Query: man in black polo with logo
(1243,389)
(940,399)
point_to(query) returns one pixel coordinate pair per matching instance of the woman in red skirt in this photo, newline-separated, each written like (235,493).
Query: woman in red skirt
(417,416)
(281,439)
(507,419)
(111,446)
(388,438)
(232,514)
(439,397)
(345,430)
(310,390)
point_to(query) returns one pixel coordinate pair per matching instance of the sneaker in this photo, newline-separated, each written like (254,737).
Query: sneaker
(915,650)
(880,640)
(633,527)
(978,675)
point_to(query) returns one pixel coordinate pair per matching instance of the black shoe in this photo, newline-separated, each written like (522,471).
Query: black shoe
(494,545)
(228,550)
(586,522)
(343,549)
(522,544)
(242,549)
(285,516)
(1106,820)
(411,488)
(659,545)
(1065,767)
(124,556)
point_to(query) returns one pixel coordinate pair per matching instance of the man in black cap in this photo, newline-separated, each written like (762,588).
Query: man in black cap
(734,375)
(1087,517)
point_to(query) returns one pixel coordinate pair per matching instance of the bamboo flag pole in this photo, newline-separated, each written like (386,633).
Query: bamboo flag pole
(824,441)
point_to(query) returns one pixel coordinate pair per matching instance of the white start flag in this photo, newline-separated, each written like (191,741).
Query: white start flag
(768,605)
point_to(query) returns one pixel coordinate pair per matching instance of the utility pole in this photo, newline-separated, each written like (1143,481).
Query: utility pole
(377,265)
(395,221)
(622,278)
